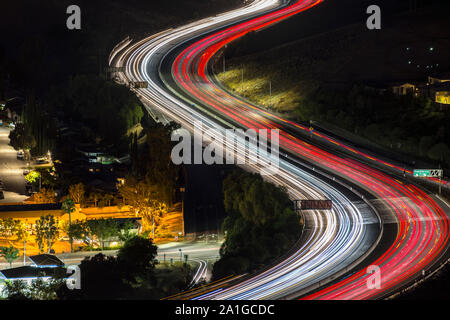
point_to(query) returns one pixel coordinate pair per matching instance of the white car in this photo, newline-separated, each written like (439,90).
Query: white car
(20,155)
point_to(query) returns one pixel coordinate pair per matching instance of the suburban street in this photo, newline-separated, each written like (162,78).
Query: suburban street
(201,255)
(11,170)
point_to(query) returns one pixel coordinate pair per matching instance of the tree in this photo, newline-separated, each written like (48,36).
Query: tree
(42,176)
(39,289)
(33,176)
(139,254)
(10,228)
(68,206)
(125,231)
(9,253)
(21,138)
(95,197)
(45,290)
(144,200)
(44,196)
(106,200)
(80,230)
(76,193)
(103,229)
(261,224)
(47,232)
(16,290)
(102,278)
(160,170)
(439,152)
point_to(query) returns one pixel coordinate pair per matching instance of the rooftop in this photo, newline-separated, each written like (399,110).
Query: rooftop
(27,272)
(46,260)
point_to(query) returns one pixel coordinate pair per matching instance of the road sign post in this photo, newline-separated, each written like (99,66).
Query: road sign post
(430,173)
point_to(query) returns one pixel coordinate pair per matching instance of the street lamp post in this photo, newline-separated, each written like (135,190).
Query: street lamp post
(70,238)
(224,66)
(153,228)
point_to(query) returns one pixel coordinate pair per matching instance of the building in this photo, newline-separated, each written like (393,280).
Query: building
(404,89)
(14,108)
(43,266)
(45,261)
(443,97)
(439,79)
(28,274)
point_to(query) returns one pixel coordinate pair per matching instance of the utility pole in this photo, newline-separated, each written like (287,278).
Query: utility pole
(270,93)
(224,69)
(70,238)
(24,250)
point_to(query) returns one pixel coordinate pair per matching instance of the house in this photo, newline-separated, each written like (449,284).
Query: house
(14,108)
(404,89)
(44,267)
(439,79)
(29,273)
(45,261)
(438,92)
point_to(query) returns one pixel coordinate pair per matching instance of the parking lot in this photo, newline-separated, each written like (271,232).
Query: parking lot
(11,170)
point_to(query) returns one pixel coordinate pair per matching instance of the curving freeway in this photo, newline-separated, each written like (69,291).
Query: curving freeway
(377,219)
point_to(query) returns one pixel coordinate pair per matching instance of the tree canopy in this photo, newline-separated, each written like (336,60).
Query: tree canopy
(261,224)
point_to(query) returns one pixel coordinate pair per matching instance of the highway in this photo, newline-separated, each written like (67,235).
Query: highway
(335,243)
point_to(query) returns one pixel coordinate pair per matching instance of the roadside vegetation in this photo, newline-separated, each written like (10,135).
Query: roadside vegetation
(261,224)
(134,274)
(343,78)
(56,82)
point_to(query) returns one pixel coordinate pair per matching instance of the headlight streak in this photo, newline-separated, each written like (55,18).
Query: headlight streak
(414,247)
(335,234)
(422,225)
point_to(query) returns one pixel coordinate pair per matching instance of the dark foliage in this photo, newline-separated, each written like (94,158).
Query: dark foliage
(261,224)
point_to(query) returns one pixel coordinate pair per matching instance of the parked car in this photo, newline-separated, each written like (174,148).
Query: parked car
(42,161)
(2,196)
(20,155)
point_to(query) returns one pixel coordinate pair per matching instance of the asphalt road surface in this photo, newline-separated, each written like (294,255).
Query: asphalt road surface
(11,170)
(175,64)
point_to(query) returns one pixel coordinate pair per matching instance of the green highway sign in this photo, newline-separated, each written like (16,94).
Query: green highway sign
(432,173)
